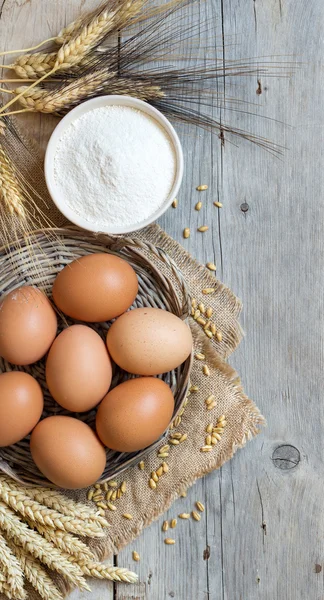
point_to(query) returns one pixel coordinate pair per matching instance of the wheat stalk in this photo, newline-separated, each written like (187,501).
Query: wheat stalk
(65,541)
(101,571)
(34,511)
(35,544)
(60,503)
(35,574)
(86,39)
(11,571)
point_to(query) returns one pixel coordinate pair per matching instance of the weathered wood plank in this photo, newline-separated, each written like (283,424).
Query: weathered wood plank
(271,526)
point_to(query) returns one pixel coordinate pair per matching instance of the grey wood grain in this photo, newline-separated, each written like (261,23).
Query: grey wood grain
(261,536)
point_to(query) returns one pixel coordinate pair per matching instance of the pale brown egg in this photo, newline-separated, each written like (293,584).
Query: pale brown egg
(95,288)
(135,414)
(78,369)
(67,452)
(28,326)
(21,406)
(149,341)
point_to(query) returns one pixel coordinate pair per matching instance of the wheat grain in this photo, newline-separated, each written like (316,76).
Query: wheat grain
(101,571)
(36,545)
(64,541)
(169,541)
(196,516)
(36,575)
(20,502)
(136,556)
(165,526)
(11,570)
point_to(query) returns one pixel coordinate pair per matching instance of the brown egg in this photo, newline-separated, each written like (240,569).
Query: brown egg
(149,341)
(95,288)
(67,452)
(78,369)
(21,406)
(135,414)
(28,326)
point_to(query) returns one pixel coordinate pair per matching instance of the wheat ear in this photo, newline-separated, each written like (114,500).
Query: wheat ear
(65,98)
(60,503)
(101,571)
(34,65)
(11,570)
(35,574)
(10,190)
(65,541)
(44,551)
(32,509)
(39,100)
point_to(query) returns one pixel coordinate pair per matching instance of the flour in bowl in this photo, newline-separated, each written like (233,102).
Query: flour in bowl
(115,166)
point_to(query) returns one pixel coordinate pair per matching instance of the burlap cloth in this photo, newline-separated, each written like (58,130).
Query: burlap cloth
(186,462)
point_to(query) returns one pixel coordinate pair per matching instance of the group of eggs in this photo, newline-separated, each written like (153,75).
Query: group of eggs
(143,341)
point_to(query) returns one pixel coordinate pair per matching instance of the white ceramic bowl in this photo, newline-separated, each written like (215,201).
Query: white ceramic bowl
(74,114)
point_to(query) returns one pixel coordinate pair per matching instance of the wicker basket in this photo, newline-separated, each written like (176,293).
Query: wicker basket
(161,285)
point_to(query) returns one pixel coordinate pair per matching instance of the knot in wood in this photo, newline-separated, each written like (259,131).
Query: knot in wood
(286,457)
(244,207)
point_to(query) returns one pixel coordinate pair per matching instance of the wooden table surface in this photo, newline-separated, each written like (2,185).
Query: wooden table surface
(261,537)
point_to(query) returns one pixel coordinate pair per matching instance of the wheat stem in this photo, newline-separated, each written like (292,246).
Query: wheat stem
(44,551)
(27,49)
(16,112)
(36,575)
(11,570)
(18,80)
